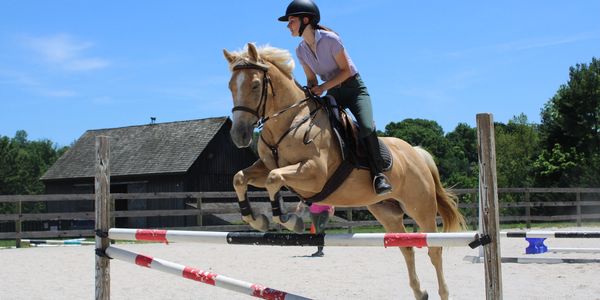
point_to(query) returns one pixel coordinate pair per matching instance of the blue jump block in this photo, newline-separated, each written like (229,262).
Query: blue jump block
(536,246)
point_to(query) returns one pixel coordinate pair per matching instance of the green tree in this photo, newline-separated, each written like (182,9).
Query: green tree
(570,131)
(419,132)
(517,146)
(461,158)
(23,162)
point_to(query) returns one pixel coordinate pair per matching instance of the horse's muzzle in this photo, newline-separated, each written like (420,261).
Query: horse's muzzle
(241,135)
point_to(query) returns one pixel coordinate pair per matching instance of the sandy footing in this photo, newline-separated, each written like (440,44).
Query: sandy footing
(343,273)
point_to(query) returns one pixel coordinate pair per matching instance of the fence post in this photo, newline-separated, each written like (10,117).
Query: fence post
(18,226)
(488,190)
(578,203)
(199,208)
(475,222)
(349,218)
(102,205)
(527,210)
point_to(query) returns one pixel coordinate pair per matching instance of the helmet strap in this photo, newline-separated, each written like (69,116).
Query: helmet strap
(302,25)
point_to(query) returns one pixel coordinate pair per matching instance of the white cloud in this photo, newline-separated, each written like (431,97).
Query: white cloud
(103,100)
(58,93)
(524,44)
(66,52)
(534,43)
(28,82)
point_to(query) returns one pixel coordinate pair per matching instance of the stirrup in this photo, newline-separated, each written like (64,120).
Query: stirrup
(387,186)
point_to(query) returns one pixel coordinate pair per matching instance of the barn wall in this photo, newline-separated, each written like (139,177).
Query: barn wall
(214,169)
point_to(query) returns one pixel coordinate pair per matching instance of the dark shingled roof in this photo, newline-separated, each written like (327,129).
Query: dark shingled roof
(149,149)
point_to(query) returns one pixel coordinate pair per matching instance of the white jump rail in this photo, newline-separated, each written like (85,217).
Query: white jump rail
(454,239)
(255,290)
(551,234)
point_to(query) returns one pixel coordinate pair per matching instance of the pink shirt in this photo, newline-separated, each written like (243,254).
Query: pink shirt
(318,208)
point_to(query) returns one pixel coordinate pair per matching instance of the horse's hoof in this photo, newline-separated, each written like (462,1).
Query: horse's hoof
(292,222)
(425,296)
(299,224)
(261,223)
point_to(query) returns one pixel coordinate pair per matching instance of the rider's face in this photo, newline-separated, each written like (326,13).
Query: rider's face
(294,25)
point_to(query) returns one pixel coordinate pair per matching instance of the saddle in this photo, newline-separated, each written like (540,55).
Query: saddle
(352,148)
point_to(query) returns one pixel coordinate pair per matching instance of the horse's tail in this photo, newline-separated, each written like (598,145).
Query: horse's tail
(446,200)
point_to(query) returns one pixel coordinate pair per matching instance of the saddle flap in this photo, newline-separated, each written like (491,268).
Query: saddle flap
(347,132)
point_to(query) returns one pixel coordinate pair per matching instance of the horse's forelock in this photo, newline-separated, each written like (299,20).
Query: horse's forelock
(281,58)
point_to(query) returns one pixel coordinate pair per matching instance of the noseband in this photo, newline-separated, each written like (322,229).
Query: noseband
(259,112)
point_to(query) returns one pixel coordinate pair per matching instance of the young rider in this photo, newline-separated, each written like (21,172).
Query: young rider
(322,53)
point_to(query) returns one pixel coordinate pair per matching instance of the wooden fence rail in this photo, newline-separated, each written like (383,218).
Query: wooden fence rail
(197,207)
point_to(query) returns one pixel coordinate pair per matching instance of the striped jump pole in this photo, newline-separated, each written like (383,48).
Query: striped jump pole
(206,277)
(459,239)
(573,250)
(59,242)
(536,240)
(552,234)
(536,260)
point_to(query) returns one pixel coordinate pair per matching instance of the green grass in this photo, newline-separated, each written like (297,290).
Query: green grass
(7,243)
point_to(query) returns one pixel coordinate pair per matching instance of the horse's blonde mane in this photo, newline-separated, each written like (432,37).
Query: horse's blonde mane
(281,58)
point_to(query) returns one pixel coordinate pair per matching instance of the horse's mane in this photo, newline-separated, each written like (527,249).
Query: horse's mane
(281,58)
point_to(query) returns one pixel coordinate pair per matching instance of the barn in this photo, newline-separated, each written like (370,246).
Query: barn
(184,156)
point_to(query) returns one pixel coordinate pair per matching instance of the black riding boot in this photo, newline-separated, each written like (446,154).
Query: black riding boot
(319,252)
(380,183)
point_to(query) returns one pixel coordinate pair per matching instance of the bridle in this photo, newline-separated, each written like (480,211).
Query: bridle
(260,110)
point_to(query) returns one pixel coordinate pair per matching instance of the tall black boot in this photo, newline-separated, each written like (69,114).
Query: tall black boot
(319,252)
(380,183)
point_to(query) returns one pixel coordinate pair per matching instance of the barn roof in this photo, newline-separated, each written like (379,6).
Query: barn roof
(135,150)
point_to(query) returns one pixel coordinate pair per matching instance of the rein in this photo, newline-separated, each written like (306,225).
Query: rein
(260,110)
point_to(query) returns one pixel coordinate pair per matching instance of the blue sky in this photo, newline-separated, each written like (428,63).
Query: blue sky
(70,66)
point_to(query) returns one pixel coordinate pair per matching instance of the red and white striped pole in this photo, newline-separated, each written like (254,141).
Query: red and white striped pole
(228,283)
(454,239)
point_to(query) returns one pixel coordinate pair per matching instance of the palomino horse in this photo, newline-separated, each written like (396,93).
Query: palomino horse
(297,150)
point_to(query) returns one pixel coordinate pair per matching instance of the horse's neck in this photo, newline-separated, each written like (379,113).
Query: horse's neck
(287,93)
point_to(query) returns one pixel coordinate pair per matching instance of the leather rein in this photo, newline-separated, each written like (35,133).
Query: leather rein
(260,110)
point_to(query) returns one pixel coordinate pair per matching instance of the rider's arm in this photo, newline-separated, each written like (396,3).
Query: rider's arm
(311,77)
(341,59)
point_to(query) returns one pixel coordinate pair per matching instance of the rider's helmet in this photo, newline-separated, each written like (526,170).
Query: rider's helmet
(301,8)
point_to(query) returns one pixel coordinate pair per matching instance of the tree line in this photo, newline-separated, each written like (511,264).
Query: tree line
(562,151)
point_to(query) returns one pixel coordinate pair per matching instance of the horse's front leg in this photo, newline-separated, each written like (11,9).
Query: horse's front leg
(301,176)
(254,175)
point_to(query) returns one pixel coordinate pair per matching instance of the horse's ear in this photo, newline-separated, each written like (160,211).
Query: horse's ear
(252,52)
(228,56)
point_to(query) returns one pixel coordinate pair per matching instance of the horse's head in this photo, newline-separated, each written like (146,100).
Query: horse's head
(251,87)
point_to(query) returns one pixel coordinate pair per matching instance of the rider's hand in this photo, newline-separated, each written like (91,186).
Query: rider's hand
(317,90)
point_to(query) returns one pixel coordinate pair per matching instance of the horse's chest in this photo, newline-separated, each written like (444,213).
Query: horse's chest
(288,152)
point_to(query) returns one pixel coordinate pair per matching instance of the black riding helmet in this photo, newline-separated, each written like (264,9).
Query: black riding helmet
(301,8)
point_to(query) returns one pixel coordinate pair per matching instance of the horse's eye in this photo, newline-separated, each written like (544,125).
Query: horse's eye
(255,85)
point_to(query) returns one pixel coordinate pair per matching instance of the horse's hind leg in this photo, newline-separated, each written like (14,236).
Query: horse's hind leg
(390,215)
(428,224)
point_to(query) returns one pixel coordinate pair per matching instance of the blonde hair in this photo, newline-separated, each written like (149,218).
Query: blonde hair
(280,58)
